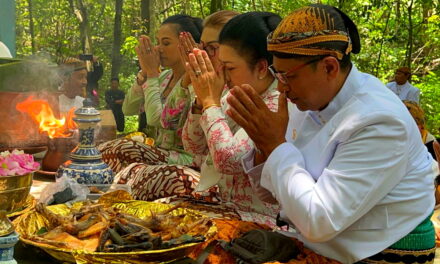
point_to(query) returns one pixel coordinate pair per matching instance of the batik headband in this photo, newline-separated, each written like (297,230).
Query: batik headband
(310,31)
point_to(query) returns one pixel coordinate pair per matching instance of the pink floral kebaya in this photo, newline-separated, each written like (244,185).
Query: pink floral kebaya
(17,163)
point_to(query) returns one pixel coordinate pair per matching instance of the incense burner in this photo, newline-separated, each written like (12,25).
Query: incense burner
(86,165)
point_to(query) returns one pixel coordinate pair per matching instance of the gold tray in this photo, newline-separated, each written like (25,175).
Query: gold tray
(28,206)
(29,223)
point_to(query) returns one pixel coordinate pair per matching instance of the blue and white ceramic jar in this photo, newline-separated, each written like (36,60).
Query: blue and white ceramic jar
(7,244)
(86,165)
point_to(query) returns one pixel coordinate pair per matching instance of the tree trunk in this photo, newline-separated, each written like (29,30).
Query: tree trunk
(84,28)
(117,35)
(216,5)
(253,5)
(383,40)
(410,35)
(186,6)
(81,14)
(201,8)
(427,11)
(31,26)
(146,16)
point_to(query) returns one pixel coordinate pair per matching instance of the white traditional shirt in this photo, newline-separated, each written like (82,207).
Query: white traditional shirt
(405,91)
(353,178)
(67,103)
(216,134)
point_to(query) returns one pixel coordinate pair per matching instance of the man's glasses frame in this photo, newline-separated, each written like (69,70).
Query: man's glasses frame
(284,76)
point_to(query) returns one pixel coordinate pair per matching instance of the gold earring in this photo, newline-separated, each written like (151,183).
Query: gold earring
(260,77)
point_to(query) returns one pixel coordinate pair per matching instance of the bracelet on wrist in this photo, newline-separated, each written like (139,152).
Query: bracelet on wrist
(209,106)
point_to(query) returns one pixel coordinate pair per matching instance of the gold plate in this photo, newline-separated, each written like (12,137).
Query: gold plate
(28,206)
(81,256)
(29,223)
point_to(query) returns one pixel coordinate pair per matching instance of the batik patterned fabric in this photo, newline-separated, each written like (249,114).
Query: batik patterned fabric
(165,115)
(146,170)
(315,30)
(151,182)
(120,153)
(156,171)
(215,133)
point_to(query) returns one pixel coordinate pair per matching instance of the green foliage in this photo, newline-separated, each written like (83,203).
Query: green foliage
(388,38)
(131,124)
(430,101)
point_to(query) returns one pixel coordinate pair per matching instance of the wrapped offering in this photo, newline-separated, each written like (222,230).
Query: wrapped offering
(113,228)
(141,137)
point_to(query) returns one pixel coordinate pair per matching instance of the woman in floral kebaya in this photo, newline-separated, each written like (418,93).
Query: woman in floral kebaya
(163,169)
(244,60)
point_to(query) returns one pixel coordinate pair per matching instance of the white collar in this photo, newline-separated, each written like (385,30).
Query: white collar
(347,91)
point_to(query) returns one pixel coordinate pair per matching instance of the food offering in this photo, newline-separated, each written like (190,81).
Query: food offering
(120,230)
(141,137)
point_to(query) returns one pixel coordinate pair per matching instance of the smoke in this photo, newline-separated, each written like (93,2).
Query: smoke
(37,76)
(34,76)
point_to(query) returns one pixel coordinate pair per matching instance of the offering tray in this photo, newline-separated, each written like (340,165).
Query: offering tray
(29,204)
(28,224)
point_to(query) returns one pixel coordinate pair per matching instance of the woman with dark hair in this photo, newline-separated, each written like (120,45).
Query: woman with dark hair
(163,169)
(244,60)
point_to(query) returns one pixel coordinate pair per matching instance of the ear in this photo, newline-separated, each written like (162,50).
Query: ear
(261,67)
(331,67)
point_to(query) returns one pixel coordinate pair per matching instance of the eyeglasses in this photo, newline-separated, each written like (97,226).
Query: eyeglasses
(210,48)
(283,76)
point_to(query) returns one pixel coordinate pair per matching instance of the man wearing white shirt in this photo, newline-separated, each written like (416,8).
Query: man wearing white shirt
(74,74)
(346,164)
(402,88)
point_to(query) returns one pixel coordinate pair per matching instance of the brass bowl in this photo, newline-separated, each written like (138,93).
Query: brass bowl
(28,224)
(6,227)
(14,190)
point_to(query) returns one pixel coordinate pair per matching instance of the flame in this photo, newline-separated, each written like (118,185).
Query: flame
(41,112)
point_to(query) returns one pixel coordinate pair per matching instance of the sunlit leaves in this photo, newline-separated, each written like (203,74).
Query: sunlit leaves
(382,24)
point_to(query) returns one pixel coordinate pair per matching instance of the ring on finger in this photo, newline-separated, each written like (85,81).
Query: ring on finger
(198,73)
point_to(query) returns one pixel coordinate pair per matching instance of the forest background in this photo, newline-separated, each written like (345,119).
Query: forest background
(393,33)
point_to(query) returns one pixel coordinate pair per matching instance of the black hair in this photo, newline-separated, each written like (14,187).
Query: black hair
(193,25)
(247,34)
(114,79)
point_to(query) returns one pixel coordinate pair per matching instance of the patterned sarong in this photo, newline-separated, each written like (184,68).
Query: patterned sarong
(146,170)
